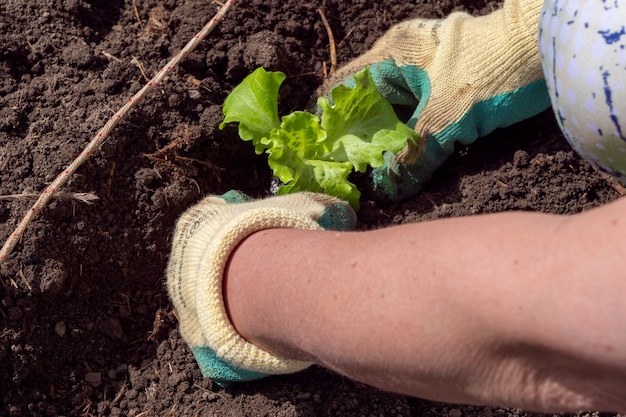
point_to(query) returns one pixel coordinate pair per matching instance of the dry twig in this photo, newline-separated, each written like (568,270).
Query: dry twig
(617,186)
(87,198)
(137,14)
(108,55)
(141,68)
(331,41)
(105,131)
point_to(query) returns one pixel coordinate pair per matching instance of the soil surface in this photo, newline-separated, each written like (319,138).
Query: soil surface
(86,328)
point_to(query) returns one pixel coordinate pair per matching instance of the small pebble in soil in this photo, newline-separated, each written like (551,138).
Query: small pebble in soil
(176,379)
(131,394)
(455,412)
(521,159)
(60,328)
(304,396)
(103,408)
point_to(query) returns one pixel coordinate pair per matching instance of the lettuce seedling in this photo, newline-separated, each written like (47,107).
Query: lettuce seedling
(309,153)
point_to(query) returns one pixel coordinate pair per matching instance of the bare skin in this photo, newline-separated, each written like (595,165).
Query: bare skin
(514,309)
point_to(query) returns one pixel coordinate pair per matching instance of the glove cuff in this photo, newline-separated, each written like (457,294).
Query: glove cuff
(216,329)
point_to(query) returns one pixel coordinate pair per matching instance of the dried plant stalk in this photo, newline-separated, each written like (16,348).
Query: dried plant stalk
(331,41)
(103,133)
(87,198)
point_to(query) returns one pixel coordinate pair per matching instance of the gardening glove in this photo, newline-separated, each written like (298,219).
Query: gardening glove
(459,78)
(204,238)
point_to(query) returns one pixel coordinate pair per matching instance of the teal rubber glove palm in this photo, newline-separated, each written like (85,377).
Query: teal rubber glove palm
(205,236)
(457,79)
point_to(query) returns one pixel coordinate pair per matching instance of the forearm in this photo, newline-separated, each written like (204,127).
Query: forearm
(466,310)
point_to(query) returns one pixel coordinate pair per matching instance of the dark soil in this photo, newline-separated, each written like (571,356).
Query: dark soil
(86,327)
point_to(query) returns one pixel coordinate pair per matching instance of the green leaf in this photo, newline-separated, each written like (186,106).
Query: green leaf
(325,177)
(362,125)
(254,105)
(296,153)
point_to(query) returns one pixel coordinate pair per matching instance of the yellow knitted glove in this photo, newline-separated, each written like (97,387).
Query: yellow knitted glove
(205,236)
(456,79)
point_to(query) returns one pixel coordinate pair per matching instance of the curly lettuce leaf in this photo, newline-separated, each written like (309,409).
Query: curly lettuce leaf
(307,154)
(362,125)
(254,105)
(298,157)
